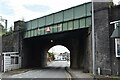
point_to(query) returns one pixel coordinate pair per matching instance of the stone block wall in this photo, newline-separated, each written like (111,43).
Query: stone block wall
(104,45)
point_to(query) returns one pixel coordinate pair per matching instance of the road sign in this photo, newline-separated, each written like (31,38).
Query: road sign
(47,29)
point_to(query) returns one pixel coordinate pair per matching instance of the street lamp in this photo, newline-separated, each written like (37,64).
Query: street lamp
(116,32)
(51,41)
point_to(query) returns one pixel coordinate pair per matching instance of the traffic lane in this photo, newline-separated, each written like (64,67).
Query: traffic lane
(50,72)
(59,64)
(54,70)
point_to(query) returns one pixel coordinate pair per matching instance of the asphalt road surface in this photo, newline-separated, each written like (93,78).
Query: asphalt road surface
(55,71)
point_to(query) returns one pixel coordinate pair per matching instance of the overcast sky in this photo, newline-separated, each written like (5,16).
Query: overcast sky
(14,10)
(58,49)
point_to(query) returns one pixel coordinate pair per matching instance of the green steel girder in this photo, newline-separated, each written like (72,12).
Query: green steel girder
(73,18)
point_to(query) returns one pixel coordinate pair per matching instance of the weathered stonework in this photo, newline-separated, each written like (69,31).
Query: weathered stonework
(12,42)
(104,44)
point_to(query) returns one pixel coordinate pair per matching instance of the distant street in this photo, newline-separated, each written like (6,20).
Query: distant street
(55,69)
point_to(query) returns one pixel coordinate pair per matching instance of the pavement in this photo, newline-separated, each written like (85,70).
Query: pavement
(13,72)
(83,76)
(79,74)
(1,73)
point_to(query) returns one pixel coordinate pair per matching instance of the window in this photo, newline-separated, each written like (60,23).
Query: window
(117,47)
(14,60)
(7,54)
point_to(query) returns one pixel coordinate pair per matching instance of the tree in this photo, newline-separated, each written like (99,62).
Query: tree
(51,55)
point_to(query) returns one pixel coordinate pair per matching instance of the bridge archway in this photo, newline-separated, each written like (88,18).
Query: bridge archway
(77,42)
(58,56)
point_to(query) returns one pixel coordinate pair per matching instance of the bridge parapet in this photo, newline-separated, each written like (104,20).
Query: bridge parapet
(70,19)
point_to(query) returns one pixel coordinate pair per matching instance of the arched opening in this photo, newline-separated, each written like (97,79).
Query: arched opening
(58,56)
(78,43)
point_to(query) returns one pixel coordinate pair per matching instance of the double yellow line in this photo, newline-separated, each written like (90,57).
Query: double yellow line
(69,77)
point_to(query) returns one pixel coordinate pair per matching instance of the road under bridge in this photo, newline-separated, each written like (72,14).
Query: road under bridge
(77,42)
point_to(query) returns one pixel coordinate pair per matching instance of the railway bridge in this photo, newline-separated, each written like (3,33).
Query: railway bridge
(72,29)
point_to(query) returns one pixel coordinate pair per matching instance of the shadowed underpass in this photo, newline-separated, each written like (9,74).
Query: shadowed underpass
(36,48)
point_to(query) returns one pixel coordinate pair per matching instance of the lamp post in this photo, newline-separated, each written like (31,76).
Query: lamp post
(93,39)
